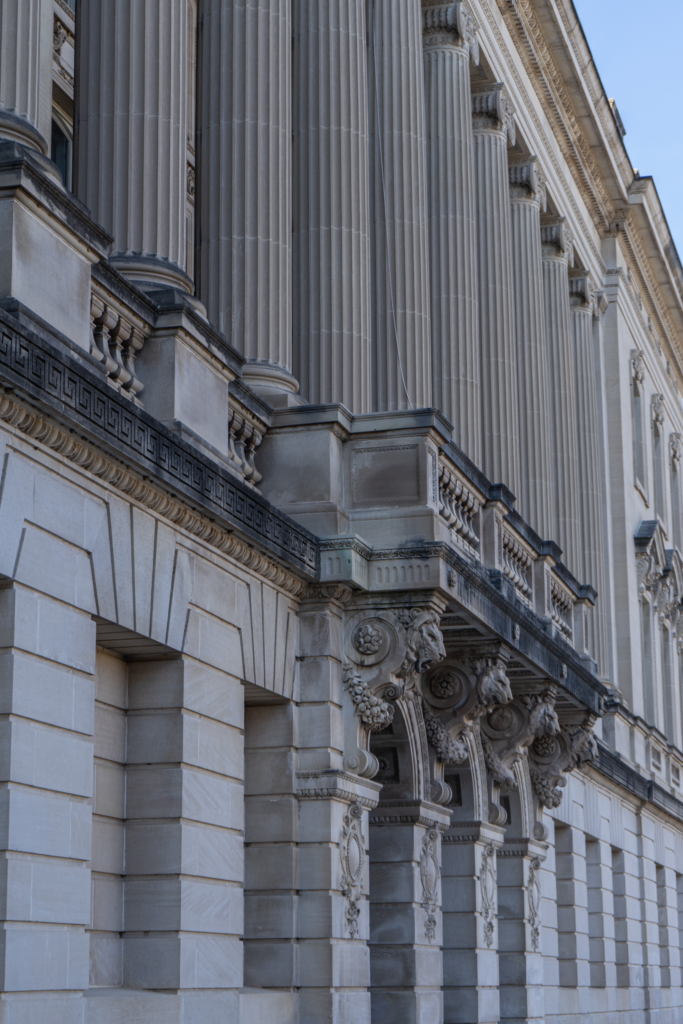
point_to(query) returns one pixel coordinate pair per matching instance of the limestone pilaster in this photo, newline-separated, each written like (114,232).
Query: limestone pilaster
(26,72)
(519,921)
(470,909)
(450,43)
(592,567)
(406,962)
(331,246)
(131,161)
(398,190)
(556,247)
(493,124)
(331,826)
(527,198)
(245,215)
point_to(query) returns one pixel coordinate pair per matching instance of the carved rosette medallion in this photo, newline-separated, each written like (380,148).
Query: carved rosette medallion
(487,888)
(534,895)
(352,855)
(430,873)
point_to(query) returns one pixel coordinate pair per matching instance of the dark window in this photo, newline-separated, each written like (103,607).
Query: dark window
(60,152)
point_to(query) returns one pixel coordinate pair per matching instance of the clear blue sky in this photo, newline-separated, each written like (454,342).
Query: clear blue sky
(638,51)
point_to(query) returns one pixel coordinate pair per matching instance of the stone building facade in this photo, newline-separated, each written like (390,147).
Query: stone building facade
(341,456)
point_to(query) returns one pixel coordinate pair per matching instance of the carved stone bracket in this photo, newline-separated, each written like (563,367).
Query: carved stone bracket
(352,855)
(430,873)
(386,651)
(373,712)
(509,730)
(455,699)
(552,756)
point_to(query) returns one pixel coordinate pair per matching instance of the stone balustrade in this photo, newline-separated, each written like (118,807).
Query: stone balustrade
(459,506)
(143,344)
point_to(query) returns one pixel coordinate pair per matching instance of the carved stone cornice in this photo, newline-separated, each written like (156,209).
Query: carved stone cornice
(531,46)
(492,110)
(88,458)
(527,180)
(450,24)
(110,437)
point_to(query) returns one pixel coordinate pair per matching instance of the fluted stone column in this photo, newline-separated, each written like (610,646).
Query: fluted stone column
(398,188)
(331,333)
(527,197)
(493,123)
(245,184)
(26,72)
(556,247)
(450,43)
(131,166)
(592,567)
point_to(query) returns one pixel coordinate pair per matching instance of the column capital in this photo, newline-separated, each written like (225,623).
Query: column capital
(450,24)
(492,110)
(527,180)
(556,238)
(581,291)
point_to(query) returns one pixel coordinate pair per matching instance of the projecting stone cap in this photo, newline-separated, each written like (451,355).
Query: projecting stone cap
(411,812)
(527,180)
(49,244)
(334,784)
(450,24)
(492,110)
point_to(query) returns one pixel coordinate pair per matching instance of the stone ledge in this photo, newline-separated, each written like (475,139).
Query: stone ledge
(69,392)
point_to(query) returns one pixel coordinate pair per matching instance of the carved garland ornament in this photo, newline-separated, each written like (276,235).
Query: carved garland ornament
(430,873)
(352,854)
(373,712)
(487,888)
(534,894)
(449,749)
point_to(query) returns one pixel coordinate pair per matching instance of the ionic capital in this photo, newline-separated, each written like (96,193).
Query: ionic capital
(492,110)
(450,25)
(556,239)
(581,291)
(527,180)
